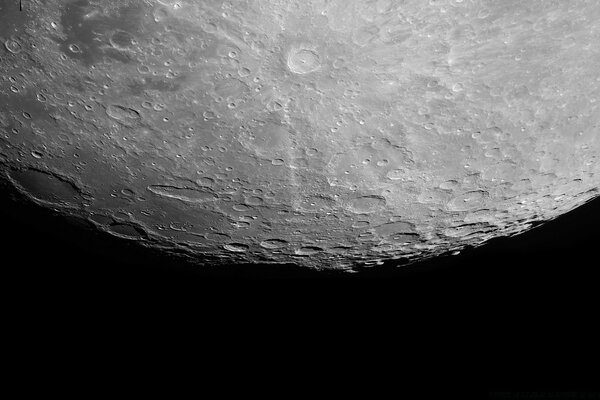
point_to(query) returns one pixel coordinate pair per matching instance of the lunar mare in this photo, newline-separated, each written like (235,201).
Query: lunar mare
(329,134)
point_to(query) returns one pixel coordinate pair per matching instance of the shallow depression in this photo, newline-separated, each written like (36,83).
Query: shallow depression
(47,186)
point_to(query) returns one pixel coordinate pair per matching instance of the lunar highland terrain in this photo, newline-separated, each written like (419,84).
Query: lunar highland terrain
(329,134)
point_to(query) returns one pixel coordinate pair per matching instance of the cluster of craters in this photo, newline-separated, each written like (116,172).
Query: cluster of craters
(326,134)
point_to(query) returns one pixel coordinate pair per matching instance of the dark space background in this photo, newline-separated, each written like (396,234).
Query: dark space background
(517,314)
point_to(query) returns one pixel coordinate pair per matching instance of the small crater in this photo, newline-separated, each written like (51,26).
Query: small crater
(303,61)
(127,230)
(273,243)
(228,50)
(315,204)
(230,88)
(433,196)
(360,224)
(101,219)
(236,247)
(366,237)
(308,250)
(73,48)
(463,231)
(122,40)
(183,194)
(124,115)
(127,192)
(171,3)
(311,152)
(449,185)
(396,174)
(393,228)
(254,201)
(244,72)
(217,237)
(365,35)
(90,26)
(381,144)
(340,250)
(240,207)
(205,181)
(403,238)
(13,46)
(468,201)
(160,15)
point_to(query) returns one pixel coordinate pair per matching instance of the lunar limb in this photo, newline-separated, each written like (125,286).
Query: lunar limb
(328,134)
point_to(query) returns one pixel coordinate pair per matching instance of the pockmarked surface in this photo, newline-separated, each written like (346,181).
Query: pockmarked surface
(329,134)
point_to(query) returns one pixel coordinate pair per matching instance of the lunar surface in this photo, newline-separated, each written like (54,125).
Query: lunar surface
(325,133)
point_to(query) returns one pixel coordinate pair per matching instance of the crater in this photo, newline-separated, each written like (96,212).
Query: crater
(303,61)
(366,204)
(395,228)
(88,26)
(183,194)
(267,139)
(403,238)
(127,230)
(273,243)
(468,201)
(308,250)
(315,204)
(13,46)
(47,187)
(122,40)
(124,115)
(236,247)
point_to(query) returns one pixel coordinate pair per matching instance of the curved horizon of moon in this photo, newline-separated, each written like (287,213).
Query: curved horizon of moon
(328,134)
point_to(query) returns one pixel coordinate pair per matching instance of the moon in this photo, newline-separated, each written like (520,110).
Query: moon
(326,134)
